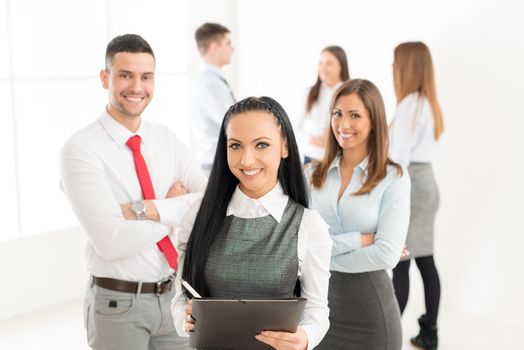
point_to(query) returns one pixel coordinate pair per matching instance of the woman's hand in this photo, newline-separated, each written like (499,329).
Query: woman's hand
(405,252)
(317,141)
(189,322)
(285,340)
(367,239)
(321,139)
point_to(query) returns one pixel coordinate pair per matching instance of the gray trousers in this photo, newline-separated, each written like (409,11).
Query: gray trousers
(116,321)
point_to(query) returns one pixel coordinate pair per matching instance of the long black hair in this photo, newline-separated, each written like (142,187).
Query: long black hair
(222,184)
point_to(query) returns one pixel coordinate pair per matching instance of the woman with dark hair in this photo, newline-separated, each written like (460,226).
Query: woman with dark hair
(252,236)
(333,70)
(415,132)
(364,197)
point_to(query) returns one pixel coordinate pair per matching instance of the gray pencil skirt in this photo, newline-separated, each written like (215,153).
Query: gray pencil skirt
(364,313)
(424,204)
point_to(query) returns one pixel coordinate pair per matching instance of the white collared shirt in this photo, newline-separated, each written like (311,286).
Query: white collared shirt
(313,250)
(211,98)
(412,132)
(316,121)
(98,174)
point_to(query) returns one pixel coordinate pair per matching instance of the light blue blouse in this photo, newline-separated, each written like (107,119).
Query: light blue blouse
(384,211)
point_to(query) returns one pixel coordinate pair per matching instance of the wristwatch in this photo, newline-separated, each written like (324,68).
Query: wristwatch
(139,208)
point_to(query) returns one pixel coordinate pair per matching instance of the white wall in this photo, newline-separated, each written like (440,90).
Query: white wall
(41,270)
(223,12)
(478,54)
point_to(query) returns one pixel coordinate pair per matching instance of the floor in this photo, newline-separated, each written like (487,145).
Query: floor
(60,328)
(463,331)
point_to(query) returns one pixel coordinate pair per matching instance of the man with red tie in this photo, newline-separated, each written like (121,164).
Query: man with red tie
(127,181)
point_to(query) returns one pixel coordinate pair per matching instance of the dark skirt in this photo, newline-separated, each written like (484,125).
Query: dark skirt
(424,204)
(364,313)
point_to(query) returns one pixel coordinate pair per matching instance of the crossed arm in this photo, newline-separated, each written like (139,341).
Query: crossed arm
(152,213)
(110,227)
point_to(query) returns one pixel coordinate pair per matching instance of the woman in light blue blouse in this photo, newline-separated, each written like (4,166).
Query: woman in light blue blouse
(364,197)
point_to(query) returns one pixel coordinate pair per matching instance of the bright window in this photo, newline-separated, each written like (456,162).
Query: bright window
(51,54)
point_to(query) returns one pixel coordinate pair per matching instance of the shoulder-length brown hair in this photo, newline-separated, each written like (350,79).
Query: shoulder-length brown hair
(413,72)
(340,54)
(377,141)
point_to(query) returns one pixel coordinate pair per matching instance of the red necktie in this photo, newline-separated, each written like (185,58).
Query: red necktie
(165,245)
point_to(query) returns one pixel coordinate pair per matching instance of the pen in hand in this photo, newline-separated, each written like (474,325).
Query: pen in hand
(190,289)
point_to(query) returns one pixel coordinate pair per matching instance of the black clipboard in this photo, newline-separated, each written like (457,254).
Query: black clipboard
(233,324)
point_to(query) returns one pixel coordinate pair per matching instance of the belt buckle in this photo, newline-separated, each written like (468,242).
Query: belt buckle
(158,288)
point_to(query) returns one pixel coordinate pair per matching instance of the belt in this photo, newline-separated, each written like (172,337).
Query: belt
(157,288)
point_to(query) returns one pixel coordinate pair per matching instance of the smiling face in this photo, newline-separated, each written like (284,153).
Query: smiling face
(329,68)
(130,84)
(351,123)
(255,148)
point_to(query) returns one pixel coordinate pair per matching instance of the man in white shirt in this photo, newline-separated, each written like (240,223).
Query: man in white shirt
(126,179)
(211,95)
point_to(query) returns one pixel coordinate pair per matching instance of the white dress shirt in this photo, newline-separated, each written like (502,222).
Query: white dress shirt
(98,174)
(210,100)
(313,250)
(315,121)
(412,132)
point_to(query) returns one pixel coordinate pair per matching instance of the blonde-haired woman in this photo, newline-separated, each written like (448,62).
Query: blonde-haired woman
(364,197)
(415,133)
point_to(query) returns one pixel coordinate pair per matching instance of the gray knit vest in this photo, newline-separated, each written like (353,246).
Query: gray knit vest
(255,258)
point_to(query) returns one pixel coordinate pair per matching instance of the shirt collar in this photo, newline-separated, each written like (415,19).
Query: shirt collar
(273,203)
(363,165)
(331,88)
(214,69)
(119,133)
